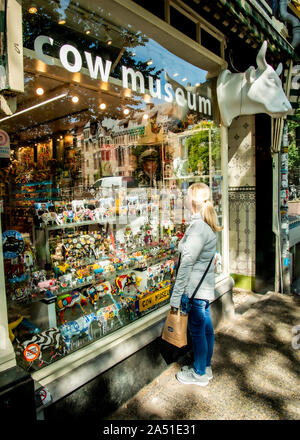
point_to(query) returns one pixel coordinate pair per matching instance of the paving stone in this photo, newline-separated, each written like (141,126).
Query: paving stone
(256,371)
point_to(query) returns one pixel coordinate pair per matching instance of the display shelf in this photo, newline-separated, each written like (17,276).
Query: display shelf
(68,225)
(105,276)
(90,222)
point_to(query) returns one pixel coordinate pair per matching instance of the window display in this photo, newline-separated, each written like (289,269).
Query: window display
(104,145)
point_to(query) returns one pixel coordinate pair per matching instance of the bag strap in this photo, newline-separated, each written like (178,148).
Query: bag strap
(202,278)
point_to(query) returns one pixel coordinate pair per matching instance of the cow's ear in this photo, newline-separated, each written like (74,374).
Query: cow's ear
(250,75)
(279,69)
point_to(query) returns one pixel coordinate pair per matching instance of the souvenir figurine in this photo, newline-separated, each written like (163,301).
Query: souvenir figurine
(107,314)
(79,327)
(69,300)
(48,285)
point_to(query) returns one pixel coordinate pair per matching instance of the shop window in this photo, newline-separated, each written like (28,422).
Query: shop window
(95,161)
(183,23)
(211,43)
(90,246)
(157,8)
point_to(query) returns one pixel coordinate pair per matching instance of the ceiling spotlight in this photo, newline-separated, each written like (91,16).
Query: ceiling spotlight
(62,22)
(175,74)
(102,106)
(145,116)
(197,84)
(149,62)
(108,40)
(184,79)
(126,111)
(39,91)
(32,9)
(87,31)
(75,99)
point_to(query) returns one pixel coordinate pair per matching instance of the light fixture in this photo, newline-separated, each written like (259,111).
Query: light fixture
(75,99)
(175,74)
(34,106)
(39,91)
(149,62)
(197,84)
(145,116)
(87,32)
(126,111)
(108,40)
(102,106)
(62,21)
(32,9)
(133,54)
(184,79)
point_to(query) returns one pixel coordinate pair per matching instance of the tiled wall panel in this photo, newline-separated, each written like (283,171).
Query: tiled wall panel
(242,206)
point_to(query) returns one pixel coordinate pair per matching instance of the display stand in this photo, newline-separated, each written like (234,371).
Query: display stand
(43,313)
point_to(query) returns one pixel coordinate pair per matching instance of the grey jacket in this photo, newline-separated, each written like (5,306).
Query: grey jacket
(197,247)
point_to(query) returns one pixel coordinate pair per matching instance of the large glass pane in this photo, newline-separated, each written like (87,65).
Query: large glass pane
(110,132)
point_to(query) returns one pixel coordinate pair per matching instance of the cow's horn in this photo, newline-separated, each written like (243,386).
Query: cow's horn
(261,57)
(279,69)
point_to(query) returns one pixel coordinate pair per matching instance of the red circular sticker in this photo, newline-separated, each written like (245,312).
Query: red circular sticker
(43,394)
(31,352)
(3,138)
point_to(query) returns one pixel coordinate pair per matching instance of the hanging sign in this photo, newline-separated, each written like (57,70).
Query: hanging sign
(4,145)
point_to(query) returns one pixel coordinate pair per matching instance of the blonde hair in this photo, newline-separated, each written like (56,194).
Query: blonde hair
(200,198)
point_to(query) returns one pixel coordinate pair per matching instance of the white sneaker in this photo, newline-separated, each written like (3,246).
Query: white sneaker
(208,370)
(190,377)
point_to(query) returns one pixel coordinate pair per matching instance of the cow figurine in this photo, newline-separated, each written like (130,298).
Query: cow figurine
(105,316)
(79,327)
(254,91)
(69,300)
(98,291)
(48,285)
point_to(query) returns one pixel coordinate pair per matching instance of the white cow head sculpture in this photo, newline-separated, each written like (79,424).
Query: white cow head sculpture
(254,91)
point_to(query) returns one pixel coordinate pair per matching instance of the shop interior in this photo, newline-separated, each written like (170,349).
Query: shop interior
(93,191)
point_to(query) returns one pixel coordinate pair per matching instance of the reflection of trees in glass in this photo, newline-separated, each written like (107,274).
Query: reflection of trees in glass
(120,54)
(198,151)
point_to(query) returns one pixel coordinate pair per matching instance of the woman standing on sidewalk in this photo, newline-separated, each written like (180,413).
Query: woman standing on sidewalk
(197,247)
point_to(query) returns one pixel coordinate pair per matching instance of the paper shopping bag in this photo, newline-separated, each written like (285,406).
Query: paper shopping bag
(175,329)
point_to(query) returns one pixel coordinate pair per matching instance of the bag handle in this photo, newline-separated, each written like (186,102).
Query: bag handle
(202,278)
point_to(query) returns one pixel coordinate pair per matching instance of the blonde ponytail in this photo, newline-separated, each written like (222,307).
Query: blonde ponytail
(200,198)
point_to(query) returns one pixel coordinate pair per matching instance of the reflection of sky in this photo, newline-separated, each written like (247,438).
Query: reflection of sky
(163,59)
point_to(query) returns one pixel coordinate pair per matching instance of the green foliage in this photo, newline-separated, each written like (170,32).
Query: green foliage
(198,150)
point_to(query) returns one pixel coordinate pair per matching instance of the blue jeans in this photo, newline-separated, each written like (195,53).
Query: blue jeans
(202,333)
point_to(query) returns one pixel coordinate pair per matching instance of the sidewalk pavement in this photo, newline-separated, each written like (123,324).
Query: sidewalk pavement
(255,366)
